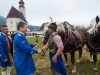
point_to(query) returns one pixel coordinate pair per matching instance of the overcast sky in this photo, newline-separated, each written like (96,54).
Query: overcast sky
(38,11)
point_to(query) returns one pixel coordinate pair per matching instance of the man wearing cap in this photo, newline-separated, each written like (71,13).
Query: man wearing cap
(55,46)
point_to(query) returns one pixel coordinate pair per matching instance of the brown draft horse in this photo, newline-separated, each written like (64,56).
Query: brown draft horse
(94,40)
(75,41)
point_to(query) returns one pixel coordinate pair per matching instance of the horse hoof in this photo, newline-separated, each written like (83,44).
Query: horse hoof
(95,69)
(67,65)
(73,71)
(91,60)
(78,61)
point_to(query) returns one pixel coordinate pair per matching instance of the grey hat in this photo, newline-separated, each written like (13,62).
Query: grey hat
(53,26)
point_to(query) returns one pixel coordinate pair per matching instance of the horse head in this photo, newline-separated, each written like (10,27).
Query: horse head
(45,37)
(60,31)
(95,26)
(95,30)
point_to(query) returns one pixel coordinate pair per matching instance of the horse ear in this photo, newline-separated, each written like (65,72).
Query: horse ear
(97,19)
(64,24)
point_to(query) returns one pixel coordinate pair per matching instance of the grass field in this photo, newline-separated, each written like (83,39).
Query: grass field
(43,65)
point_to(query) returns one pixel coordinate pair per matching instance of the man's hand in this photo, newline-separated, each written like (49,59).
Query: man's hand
(39,51)
(5,60)
(54,59)
(36,45)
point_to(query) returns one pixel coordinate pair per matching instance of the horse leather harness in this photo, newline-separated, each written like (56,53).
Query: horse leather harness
(78,35)
(94,46)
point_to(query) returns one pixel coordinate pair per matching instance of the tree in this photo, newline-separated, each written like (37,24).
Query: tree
(42,27)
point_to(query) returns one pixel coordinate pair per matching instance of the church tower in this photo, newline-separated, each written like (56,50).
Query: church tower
(22,8)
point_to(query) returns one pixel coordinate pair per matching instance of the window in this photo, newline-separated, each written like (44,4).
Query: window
(11,24)
(16,26)
(16,23)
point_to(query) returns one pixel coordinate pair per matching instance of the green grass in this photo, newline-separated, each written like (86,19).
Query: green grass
(43,65)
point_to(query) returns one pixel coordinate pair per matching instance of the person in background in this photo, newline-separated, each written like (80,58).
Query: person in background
(12,36)
(23,60)
(55,46)
(33,34)
(37,36)
(6,51)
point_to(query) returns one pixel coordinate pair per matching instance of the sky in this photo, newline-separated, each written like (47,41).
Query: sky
(75,12)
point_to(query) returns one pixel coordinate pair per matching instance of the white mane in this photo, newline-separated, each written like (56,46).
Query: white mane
(46,28)
(94,27)
(60,27)
(93,23)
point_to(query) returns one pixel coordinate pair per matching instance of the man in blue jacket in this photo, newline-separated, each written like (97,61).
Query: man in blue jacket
(23,60)
(6,51)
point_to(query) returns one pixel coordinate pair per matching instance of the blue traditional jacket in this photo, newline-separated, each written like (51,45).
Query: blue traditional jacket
(23,60)
(4,50)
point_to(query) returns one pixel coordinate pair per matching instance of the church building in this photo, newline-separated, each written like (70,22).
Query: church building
(15,16)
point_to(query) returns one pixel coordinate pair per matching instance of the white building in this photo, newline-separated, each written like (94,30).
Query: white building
(15,16)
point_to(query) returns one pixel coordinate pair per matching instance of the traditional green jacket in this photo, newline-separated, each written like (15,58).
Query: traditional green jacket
(52,46)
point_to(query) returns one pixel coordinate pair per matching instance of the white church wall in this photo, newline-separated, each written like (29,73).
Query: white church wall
(12,23)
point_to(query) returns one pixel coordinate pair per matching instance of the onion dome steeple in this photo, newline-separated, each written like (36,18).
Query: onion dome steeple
(22,7)
(21,3)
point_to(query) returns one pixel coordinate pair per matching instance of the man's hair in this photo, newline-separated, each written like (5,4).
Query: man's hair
(20,24)
(2,27)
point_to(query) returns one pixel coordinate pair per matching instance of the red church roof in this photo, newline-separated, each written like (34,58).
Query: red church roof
(14,13)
